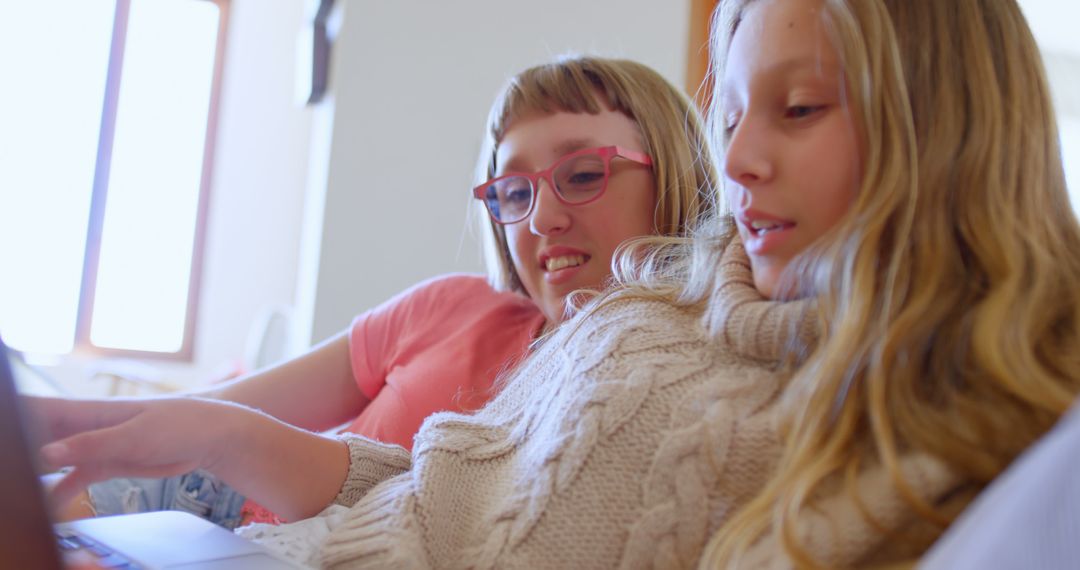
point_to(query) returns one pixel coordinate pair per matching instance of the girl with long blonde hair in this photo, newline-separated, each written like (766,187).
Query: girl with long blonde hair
(949,294)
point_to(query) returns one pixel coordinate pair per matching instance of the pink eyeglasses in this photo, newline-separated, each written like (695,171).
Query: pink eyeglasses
(577,178)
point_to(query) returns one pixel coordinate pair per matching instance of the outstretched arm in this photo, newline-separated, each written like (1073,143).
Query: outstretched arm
(291,471)
(315,391)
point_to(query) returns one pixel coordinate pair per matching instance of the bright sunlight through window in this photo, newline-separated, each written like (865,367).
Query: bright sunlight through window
(47,151)
(146,244)
(55,71)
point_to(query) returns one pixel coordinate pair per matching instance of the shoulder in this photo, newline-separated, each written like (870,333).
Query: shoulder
(452,292)
(429,299)
(623,334)
(633,317)
(452,284)
(430,310)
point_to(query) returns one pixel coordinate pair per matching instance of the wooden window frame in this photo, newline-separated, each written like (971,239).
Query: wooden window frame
(698,52)
(92,255)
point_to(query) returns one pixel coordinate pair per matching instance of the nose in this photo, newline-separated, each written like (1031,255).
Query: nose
(747,161)
(549,215)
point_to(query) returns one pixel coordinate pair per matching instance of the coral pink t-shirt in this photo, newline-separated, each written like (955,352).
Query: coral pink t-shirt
(437,346)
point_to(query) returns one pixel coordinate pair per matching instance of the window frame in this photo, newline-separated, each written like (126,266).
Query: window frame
(699,52)
(99,195)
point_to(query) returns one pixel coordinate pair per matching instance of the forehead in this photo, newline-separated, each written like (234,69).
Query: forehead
(780,37)
(532,141)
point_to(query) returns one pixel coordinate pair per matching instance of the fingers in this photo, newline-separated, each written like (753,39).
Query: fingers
(81,453)
(100,440)
(61,418)
(69,487)
(41,415)
(115,451)
(122,450)
(80,560)
(84,449)
(79,508)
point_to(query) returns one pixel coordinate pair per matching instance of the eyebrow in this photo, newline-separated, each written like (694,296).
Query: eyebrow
(563,148)
(787,66)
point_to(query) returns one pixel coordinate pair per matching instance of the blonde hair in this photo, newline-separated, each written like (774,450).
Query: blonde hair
(949,294)
(671,131)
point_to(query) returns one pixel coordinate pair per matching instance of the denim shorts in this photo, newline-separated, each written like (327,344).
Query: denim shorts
(198,493)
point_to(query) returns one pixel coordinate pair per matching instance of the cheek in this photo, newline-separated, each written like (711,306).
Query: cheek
(522,245)
(623,220)
(641,210)
(831,211)
(640,214)
(846,190)
(836,177)
(850,169)
(513,243)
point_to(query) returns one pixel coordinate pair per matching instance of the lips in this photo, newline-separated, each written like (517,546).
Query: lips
(560,263)
(760,223)
(765,231)
(563,261)
(559,254)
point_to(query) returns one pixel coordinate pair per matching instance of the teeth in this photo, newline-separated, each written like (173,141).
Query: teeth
(557,263)
(763,225)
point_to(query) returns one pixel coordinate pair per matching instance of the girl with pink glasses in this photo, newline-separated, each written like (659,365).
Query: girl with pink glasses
(620,148)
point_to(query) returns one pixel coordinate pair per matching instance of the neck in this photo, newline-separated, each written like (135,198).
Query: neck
(750,323)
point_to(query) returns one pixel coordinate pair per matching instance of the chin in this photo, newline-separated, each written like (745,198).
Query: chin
(551,308)
(765,281)
(767,290)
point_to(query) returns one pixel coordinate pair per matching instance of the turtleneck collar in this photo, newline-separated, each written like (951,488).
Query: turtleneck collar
(752,325)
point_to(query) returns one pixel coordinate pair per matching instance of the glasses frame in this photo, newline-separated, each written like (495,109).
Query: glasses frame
(607,153)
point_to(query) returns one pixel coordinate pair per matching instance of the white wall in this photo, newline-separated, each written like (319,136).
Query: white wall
(412,83)
(260,173)
(1053,23)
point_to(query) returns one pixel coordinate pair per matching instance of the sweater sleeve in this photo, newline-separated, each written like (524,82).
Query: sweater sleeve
(370,463)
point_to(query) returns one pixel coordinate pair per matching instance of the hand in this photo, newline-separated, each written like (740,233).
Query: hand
(80,560)
(103,439)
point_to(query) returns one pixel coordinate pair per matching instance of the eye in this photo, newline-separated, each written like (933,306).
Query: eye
(519,195)
(731,123)
(579,174)
(585,177)
(802,111)
(513,192)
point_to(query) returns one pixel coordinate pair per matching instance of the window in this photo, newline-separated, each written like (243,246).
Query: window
(105,160)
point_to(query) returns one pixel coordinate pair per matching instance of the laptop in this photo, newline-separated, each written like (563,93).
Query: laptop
(150,541)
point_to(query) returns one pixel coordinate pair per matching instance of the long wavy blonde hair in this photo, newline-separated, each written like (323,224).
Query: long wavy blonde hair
(950,294)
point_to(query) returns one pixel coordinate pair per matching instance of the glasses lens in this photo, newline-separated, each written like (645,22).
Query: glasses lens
(581,178)
(508,199)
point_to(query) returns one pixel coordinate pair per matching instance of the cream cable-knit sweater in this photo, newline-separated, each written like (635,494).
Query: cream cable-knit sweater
(627,439)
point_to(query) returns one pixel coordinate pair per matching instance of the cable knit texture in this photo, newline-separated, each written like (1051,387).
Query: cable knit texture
(369,464)
(627,439)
